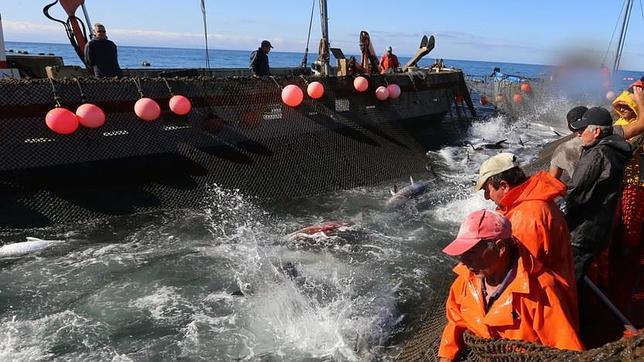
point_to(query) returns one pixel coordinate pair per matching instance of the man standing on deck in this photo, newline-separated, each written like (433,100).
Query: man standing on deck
(388,62)
(259,60)
(101,54)
(537,222)
(595,186)
(501,291)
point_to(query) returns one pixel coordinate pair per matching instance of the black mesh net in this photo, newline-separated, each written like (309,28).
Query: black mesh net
(239,135)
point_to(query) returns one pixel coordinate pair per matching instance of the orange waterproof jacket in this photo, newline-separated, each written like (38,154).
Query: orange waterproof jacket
(541,227)
(529,309)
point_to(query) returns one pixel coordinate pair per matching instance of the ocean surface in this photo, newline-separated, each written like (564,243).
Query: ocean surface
(225,282)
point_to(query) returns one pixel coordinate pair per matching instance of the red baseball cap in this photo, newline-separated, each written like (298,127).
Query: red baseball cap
(479,225)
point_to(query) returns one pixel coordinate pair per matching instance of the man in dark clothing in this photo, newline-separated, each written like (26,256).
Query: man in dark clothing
(595,186)
(259,60)
(101,55)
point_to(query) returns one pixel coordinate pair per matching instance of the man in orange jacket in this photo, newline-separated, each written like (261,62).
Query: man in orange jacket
(536,220)
(502,291)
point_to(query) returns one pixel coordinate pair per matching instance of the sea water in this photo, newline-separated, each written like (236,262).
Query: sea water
(222,281)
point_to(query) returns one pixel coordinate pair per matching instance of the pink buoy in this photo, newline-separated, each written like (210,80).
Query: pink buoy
(180,105)
(90,115)
(61,120)
(147,109)
(382,93)
(394,91)
(361,84)
(517,98)
(315,90)
(292,95)
(525,87)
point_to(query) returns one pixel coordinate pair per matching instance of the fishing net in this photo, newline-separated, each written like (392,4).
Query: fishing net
(239,135)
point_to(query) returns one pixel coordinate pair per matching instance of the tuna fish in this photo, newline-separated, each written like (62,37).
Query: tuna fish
(399,197)
(32,245)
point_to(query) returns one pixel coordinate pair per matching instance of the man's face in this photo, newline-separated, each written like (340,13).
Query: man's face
(495,194)
(266,49)
(588,137)
(482,259)
(99,32)
(625,111)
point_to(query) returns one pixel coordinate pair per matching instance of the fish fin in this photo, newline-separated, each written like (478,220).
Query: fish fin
(29,238)
(394,190)
(521,142)
(411,180)
(501,141)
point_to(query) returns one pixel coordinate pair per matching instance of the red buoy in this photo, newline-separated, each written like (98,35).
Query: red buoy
(292,95)
(361,84)
(90,115)
(147,109)
(315,90)
(382,93)
(525,87)
(180,105)
(394,91)
(61,120)
(517,98)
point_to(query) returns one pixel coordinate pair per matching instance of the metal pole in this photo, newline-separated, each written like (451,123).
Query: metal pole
(90,26)
(3,57)
(324,21)
(622,35)
(627,324)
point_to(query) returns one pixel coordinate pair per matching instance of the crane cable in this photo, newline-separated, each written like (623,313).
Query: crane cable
(306,52)
(205,32)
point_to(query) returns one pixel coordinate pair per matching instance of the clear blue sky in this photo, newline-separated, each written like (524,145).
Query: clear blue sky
(503,30)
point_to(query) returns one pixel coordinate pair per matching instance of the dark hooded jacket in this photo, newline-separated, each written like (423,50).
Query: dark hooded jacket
(594,191)
(259,63)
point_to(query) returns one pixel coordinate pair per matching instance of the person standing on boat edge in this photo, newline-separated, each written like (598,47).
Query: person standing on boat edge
(259,60)
(388,62)
(595,186)
(101,54)
(537,222)
(501,291)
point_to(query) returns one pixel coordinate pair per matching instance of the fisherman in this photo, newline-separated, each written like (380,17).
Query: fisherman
(388,62)
(537,222)
(627,247)
(566,155)
(101,54)
(501,291)
(590,207)
(353,67)
(595,186)
(259,60)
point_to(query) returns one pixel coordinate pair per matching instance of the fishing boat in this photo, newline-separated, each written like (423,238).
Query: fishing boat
(239,134)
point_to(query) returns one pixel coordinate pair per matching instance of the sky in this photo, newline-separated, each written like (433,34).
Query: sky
(535,32)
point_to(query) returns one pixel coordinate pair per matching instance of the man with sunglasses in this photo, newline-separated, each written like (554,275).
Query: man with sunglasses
(501,291)
(101,54)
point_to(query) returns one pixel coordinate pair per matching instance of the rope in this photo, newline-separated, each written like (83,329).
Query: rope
(168,85)
(641,10)
(53,90)
(308,38)
(612,37)
(137,82)
(80,89)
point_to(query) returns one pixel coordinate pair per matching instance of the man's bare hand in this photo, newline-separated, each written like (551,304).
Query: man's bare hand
(638,97)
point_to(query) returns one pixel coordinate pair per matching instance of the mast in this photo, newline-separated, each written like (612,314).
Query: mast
(324,42)
(622,35)
(3,57)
